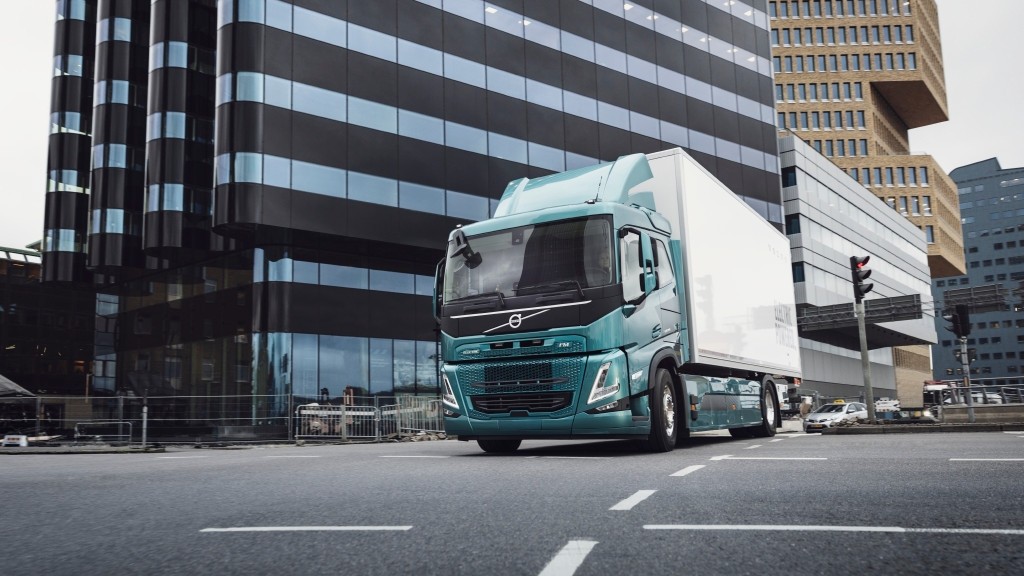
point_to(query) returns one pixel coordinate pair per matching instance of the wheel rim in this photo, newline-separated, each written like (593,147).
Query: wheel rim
(668,409)
(769,411)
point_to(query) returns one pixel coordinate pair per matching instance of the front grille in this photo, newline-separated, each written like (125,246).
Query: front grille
(519,372)
(504,403)
(558,374)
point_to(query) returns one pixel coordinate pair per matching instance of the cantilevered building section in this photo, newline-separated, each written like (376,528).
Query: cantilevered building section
(851,79)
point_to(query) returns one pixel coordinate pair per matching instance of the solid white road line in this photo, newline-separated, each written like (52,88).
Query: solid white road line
(986,459)
(568,558)
(730,457)
(570,457)
(633,500)
(791,528)
(687,470)
(308,529)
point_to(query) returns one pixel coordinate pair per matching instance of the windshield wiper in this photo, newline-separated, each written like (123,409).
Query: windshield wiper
(471,297)
(545,286)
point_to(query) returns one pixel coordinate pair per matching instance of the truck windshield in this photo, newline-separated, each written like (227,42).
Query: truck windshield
(543,258)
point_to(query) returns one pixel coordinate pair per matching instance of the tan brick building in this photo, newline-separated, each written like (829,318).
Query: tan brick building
(852,77)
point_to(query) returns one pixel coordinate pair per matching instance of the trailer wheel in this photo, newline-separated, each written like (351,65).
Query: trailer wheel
(499,446)
(769,409)
(664,430)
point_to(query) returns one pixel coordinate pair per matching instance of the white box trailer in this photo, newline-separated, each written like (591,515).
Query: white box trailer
(736,271)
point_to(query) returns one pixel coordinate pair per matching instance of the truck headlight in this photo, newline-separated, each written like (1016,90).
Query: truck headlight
(602,388)
(447,396)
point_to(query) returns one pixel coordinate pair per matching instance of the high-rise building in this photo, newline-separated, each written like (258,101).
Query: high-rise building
(259,190)
(992,209)
(852,77)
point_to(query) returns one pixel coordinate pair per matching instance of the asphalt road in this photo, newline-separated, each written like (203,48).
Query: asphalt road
(796,504)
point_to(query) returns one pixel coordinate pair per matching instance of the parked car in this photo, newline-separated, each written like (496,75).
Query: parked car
(829,415)
(14,440)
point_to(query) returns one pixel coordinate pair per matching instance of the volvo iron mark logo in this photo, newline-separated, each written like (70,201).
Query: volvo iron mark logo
(515,321)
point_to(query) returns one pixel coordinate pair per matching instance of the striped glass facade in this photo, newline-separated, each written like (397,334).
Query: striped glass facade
(273,181)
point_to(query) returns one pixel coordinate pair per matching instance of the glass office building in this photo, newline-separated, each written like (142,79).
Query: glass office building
(260,190)
(992,210)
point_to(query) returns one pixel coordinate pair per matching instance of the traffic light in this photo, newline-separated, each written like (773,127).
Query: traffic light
(858,273)
(959,320)
(964,315)
(954,325)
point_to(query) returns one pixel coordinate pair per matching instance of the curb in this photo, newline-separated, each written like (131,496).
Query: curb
(925,428)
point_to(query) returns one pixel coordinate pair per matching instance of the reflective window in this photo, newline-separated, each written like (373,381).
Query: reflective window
(344,276)
(224,93)
(277,171)
(319,27)
(372,115)
(420,57)
(507,148)
(279,15)
(420,198)
(381,366)
(248,167)
(386,281)
(121,30)
(371,42)
(467,206)
(249,87)
(318,179)
(66,122)
(277,91)
(250,11)
(506,83)
(465,71)
(420,127)
(344,362)
(319,102)
(465,138)
(369,188)
(67,65)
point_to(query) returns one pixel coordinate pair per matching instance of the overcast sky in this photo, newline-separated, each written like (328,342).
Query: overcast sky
(981,43)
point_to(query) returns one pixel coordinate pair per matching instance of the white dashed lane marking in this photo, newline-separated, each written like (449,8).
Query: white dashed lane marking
(633,500)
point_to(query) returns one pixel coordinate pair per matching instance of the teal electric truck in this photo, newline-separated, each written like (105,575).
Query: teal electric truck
(636,299)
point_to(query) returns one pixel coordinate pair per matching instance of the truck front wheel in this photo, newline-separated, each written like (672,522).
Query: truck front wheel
(664,428)
(499,446)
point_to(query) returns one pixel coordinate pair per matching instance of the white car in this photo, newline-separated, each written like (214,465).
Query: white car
(14,440)
(831,414)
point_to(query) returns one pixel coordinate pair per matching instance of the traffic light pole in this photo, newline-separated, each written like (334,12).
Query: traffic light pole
(865,363)
(965,362)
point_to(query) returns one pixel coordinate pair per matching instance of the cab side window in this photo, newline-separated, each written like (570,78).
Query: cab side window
(632,267)
(663,265)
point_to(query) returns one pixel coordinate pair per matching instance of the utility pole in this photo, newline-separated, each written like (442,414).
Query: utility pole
(865,362)
(858,274)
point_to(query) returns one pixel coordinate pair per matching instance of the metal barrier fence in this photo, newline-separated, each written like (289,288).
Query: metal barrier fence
(410,415)
(212,419)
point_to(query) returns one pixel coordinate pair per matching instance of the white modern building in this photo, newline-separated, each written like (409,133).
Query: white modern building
(829,218)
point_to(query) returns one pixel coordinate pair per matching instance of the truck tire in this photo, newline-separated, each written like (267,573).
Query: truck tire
(664,424)
(768,412)
(499,446)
